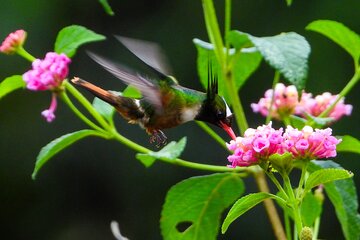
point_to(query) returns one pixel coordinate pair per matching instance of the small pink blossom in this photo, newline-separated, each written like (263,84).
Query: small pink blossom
(284,103)
(257,144)
(310,144)
(48,73)
(49,114)
(315,106)
(13,41)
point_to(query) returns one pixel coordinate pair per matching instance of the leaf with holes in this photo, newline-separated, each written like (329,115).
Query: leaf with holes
(193,207)
(72,37)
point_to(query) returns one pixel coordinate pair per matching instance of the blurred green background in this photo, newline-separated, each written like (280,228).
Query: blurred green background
(81,190)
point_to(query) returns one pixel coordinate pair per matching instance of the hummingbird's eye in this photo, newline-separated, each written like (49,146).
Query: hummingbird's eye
(220,115)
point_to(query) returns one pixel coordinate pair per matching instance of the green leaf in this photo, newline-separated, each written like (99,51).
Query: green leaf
(297,122)
(348,144)
(170,152)
(11,84)
(131,92)
(107,7)
(52,148)
(326,175)
(242,205)
(288,2)
(105,109)
(340,34)
(310,209)
(343,196)
(193,207)
(287,52)
(72,37)
(243,62)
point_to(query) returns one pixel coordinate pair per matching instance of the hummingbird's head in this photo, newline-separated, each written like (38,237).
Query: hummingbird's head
(214,108)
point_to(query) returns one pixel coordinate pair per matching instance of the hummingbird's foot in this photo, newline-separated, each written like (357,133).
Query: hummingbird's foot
(159,138)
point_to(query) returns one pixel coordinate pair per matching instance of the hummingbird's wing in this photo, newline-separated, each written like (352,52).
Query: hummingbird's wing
(149,90)
(149,53)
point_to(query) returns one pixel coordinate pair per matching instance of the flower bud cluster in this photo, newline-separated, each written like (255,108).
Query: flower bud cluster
(47,73)
(13,41)
(286,102)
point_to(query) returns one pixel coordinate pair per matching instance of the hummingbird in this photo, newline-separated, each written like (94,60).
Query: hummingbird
(164,103)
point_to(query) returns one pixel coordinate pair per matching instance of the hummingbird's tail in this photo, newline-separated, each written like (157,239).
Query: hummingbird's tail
(127,107)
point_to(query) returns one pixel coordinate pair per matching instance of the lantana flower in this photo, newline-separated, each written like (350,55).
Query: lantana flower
(284,103)
(256,145)
(315,106)
(259,144)
(48,74)
(13,41)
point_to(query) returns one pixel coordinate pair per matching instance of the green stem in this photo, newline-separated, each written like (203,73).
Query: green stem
(353,81)
(269,205)
(22,52)
(227,25)
(177,161)
(213,30)
(294,203)
(302,180)
(88,106)
(67,100)
(316,228)
(275,81)
(212,133)
(287,225)
(277,183)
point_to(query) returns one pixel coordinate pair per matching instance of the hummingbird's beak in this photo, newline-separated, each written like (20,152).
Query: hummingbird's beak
(228,129)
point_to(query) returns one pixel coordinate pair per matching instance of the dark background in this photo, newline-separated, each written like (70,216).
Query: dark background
(81,190)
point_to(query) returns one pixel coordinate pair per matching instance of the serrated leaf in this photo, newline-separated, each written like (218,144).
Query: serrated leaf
(286,52)
(72,37)
(57,145)
(170,152)
(340,34)
(244,63)
(310,209)
(197,203)
(107,7)
(344,198)
(105,109)
(11,84)
(243,205)
(348,144)
(323,176)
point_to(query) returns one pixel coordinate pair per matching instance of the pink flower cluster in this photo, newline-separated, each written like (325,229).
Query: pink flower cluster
(259,144)
(13,41)
(286,103)
(48,73)
(315,106)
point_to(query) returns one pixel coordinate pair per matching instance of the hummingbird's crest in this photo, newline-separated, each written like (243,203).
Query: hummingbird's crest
(212,88)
